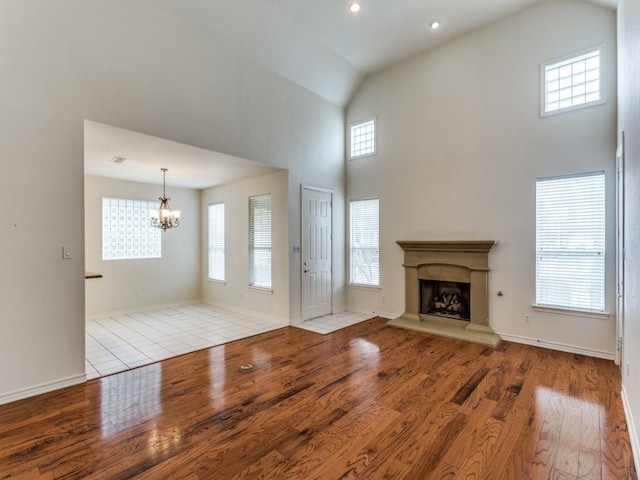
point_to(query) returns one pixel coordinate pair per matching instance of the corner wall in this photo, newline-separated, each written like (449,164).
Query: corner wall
(136,283)
(460,146)
(235,291)
(629,122)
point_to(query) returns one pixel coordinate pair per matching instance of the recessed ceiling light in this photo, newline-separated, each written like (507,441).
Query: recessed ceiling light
(118,160)
(354,7)
(435,24)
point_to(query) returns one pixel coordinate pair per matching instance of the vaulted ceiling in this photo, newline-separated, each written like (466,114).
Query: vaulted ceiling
(318,44)
(324,47)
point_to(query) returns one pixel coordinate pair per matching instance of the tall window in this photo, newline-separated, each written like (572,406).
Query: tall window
(260,241)
(572,83)
(570,242)
(364,242)
(362,138)
(216,241)
(127,231)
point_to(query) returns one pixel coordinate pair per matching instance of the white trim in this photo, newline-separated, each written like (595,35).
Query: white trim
(46,387)
(363,286)
(571,311)
(631,428)
(264,290)
(235,308)
(562,347)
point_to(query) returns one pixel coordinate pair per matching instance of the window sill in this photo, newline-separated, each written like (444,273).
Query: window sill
(364,287)
(213,280)
(263,290)
(571,312)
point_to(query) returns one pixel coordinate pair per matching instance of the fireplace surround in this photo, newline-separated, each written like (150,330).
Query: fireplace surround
(447,263)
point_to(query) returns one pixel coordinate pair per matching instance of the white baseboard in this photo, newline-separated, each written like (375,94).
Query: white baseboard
(42,388)
(563,347)
(140,309)
(235,308)
(631,428)
(386,315)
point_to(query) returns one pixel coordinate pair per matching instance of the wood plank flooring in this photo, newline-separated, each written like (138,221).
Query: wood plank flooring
(366,402)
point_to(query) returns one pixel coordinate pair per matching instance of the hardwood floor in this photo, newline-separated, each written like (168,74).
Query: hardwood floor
(366,402)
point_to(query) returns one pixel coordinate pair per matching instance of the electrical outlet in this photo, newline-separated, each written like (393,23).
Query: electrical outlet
(527,318)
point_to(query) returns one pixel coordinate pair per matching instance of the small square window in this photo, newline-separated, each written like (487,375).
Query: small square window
(572,83)
(362,139)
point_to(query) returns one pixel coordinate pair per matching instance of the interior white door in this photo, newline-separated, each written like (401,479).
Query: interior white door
(316,253)
(620,253)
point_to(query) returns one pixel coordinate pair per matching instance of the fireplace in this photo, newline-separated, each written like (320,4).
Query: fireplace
(445,299)
(447,289)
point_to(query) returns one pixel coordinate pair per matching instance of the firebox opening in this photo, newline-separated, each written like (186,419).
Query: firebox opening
(445,299)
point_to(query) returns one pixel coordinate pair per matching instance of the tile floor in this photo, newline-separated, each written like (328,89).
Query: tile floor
(331,323)
(119,342)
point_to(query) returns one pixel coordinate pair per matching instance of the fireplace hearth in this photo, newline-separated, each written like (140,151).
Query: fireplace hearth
(447,289)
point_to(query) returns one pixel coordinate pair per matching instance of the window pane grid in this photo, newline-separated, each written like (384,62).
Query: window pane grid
(572,82)
(260,241)
(365,242)
(362,139)
(126,230)
(570,242)
(216,242)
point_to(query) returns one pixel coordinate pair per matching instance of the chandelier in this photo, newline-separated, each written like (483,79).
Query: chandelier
(164,217)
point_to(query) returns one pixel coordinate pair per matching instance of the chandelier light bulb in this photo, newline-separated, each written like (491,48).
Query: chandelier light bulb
(354,7)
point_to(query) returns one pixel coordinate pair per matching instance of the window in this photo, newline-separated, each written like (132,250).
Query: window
(570,242)
(216,242)
(127,230)
(364,242)
(362,138)
(572,83)
(260,241)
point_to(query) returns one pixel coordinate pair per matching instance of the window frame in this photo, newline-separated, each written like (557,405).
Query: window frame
(567,59)
(351,247)
(144,219)
(567,308)
(252,248)
(212,248)
(357,124)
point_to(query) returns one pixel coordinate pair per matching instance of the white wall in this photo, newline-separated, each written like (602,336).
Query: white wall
(460,145)
(629,122)
(129,284)
(132,65)
(235,290)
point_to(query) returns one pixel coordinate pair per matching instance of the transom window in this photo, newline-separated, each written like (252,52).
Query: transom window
(127,231)
(364,242)
(570,242)
(216,242)
(573,83)
(362,138)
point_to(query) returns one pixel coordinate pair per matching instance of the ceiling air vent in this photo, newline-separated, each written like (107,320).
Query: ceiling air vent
(118,160)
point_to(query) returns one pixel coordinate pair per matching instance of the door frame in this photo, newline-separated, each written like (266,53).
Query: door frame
(315,188)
